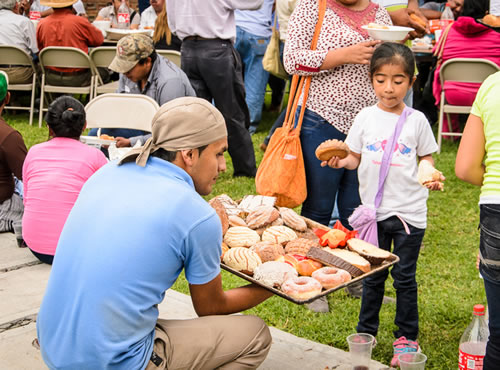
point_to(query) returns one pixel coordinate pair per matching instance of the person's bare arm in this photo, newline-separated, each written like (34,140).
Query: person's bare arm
(355,54)
(469,165)
(47,12)
(351,162)
(211,299)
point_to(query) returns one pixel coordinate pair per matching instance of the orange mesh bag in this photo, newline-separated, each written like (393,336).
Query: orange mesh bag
(281,173)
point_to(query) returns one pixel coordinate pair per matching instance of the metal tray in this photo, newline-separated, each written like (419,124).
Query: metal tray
(385,265)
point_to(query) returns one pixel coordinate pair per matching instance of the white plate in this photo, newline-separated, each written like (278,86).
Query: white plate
(393,33)
(118,33)
(95,141)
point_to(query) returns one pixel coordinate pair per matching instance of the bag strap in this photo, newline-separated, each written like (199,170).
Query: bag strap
(388,152)
(275,20)
(302,82)
(438,52)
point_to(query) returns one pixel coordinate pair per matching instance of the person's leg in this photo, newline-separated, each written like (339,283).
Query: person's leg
(322,182)
(374,287)
(277,86)
(220,67)
(45,258)
(348,196)
(489,247)
(11,212)
(19,75)
(189,61)
(211,342)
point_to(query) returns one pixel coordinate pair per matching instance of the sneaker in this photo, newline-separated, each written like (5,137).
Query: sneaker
(403,345)
(319,305)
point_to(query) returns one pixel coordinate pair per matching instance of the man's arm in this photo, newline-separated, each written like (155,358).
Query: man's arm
(211,299)
(15,152)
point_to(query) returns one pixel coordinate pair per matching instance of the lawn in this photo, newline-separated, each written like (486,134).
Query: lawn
(449,284)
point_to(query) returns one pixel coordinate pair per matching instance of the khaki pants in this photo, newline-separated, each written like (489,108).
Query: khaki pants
(19,75)
(210,342)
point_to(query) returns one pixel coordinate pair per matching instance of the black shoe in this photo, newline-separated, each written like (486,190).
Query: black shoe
(21,243)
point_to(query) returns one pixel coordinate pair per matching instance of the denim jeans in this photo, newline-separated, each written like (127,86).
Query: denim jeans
(325,183)
(407,248)
(489,247)
(251,49)
(118,132)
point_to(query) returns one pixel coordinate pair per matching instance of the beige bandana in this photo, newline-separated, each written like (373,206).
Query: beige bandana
(181,124)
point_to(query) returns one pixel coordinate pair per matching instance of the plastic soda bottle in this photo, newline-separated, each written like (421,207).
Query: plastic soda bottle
(472,346)
(447,17)
(123,16)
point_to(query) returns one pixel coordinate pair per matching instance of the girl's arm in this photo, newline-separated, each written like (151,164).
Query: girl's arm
(469,165)
(351,162)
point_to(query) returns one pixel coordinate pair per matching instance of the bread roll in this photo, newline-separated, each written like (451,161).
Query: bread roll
(332,148)
(242,259)
(372,253)
(274,273)
(268,251)
(261,216)
(300,246)
(292,219)
(221,212)
(241,236)
(279,234)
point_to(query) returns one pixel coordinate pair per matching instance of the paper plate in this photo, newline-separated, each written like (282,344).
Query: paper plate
(392,33)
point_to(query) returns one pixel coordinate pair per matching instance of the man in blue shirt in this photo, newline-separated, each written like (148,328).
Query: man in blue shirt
(100,307)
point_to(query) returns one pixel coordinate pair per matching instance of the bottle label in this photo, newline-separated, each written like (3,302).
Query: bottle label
(123,18)
(34,16)
(469,362)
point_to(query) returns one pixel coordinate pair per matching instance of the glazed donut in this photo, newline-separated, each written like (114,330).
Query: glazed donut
(302,287)
(331,277)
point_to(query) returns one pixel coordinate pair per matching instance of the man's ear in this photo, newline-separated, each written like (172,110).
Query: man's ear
(189,156)
(7,98)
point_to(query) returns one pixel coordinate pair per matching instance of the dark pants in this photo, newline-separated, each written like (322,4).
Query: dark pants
(407,248)
(324,184)
(489,247)
(214,70)
(45,258)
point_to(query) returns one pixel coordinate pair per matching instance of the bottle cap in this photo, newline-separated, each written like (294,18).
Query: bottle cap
(479,310)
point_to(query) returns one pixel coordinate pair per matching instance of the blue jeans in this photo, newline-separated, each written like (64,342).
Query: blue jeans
(325,183)
(251,49)
(489,247)
(118,132)
(407,248)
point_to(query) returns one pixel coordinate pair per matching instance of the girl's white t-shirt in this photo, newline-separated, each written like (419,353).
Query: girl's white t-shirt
(403,195)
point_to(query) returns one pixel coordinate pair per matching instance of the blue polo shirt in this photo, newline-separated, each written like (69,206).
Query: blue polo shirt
(128,237)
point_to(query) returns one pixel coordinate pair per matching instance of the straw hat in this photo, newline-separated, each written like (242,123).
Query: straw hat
(58,3)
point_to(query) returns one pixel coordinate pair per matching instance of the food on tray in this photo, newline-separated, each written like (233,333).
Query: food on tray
(268,251)
(427,174)
(332,148)
(289,260)
(418,20)
(302,287)
(370,252)
(292,219)
(307,267)
(279,234)
(492,20)
(106,137)
(241,236)
(352,262)
(308,234)
(242,259)
(221,212)
(300,246)
(274,273)
(236,221)
(261,216)
(377,26)
(225,248)
(333,238)
(331,277)
(277,222)
(250,202)
(230,205)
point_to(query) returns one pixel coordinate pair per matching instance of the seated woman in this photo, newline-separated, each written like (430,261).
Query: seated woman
(53,174)
(110,13)
(466,39)
(163,38)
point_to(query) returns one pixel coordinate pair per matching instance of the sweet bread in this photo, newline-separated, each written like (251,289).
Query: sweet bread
(370,252)
(261,216)
(279,234)
(230,205)
(300,246)
(242,259)
(428,174)
(241,236)
(492,20)
(221,212)
(377,26)
(251,202)
(292,219)
(332,148)
(352,262)
(268,251)
(274,273)
(236,221)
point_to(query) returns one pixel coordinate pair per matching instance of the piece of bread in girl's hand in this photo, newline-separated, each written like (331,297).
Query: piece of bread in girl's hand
(332,148)
(418,20)
(427,174)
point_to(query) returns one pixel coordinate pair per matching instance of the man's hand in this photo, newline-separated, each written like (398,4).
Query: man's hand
(121,142)
(401,17)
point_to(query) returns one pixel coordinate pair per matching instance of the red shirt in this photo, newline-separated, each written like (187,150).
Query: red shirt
(63,28)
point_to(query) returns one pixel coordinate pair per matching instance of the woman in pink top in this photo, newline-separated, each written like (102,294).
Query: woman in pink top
(466,39)
(53,174)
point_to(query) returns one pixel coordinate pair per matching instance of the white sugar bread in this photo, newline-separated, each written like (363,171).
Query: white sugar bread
(274,273)
(242,259)
(241,236)
(279,234)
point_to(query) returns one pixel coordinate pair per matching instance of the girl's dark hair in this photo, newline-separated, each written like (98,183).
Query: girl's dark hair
(393,53)
(475,8)
(66,117)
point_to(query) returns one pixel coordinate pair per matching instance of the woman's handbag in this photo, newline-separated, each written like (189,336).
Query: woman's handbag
(272,59)
(281,173)
(364,218)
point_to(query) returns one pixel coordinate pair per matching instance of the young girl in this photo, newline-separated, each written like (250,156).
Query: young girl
(401,216)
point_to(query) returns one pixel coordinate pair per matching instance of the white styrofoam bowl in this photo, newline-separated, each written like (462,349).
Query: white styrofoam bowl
(393,33)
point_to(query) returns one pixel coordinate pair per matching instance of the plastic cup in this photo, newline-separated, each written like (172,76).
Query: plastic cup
(360,349)
(437,34)
(412,361)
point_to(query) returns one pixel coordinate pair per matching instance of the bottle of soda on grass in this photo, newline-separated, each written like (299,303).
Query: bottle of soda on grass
(472,346)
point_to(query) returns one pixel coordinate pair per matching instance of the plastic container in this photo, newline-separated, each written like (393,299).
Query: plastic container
(472,346)
(123,16)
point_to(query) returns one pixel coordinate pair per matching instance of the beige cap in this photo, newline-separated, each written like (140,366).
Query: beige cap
(129,50)
(181,124)
(58,3)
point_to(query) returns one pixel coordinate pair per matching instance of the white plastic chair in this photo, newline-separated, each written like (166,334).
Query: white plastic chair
(12,55)
(102,56)
(64,57)
(173,55)
(460,70)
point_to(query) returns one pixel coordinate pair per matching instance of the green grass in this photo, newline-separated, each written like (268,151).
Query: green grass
(448,281)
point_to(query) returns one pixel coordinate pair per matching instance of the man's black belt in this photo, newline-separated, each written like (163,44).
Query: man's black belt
(199,38)
(73,73)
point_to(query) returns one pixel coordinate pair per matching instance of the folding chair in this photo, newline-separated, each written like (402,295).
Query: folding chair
(460,70)
(64,57)
(172,55)
(102,57)
(12,55)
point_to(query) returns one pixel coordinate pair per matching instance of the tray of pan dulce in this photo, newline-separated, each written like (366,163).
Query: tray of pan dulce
(290,255)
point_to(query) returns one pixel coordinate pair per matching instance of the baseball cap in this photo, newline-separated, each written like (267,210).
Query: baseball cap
(129,50)
(4,85)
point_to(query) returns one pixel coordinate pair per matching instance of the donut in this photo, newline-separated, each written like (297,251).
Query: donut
(331,277)
(332,148)
(301,288)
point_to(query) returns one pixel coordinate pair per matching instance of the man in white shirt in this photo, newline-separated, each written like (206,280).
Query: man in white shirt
(17,31)
(148,16)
